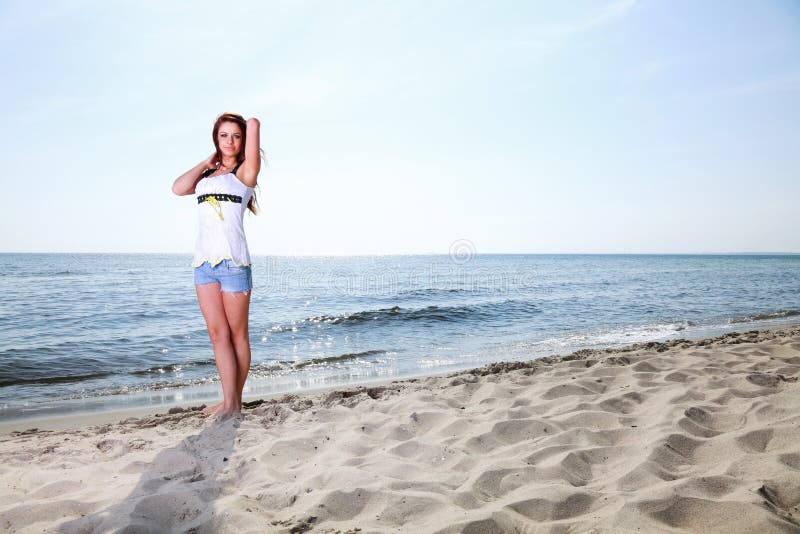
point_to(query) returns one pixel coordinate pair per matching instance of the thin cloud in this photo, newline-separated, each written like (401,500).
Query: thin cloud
(786,83)
(609,14)
(552,37)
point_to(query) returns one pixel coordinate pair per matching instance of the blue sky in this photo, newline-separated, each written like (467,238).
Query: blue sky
(403,126)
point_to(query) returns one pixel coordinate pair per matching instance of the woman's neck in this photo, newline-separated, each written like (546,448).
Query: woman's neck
(228,163)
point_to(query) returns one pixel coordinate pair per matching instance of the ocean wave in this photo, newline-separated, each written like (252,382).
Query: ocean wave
(339,358)
(64,272)
(170,368)
(129,389)
(433,291)
(504,310)
(61,349)
(256,366)
(42,378)
(257,370)
(149,314)
(262,369)
(765,316)
(57,379)
(54,367)
(610,337)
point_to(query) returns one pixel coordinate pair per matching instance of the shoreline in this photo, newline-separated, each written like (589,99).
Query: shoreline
(102,417)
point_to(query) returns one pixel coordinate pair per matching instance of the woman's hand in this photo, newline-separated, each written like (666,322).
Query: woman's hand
(252,120)
(211,162)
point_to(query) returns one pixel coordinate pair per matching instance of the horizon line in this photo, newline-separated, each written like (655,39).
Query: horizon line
(322,255)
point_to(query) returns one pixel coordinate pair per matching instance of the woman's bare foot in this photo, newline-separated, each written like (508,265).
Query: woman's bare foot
(226,409)
(211,410)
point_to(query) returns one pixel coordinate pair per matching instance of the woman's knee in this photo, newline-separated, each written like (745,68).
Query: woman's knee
(240,337)
(219,334)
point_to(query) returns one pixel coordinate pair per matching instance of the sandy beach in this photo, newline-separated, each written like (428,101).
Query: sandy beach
(682,436)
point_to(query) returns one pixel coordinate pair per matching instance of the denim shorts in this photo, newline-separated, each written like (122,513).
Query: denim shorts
(231,278)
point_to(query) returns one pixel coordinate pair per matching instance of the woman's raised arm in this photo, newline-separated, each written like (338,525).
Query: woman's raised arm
(252,155)
(185,183)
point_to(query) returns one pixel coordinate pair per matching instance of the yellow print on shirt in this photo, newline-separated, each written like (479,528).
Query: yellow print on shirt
(215,205)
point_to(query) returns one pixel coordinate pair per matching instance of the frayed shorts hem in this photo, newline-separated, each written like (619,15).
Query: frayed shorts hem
(231,278)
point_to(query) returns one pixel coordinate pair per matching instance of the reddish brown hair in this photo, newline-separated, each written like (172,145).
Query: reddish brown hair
(235,118)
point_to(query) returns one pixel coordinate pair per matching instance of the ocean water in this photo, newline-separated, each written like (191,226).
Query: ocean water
(84,332)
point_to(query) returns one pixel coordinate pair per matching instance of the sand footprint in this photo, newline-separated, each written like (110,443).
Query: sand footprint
(704,423)
(494,483)
(623,404)
(790,460)
(755,441)
(675,452)
(705,515)
(565,506)
(509,433)
(566,390)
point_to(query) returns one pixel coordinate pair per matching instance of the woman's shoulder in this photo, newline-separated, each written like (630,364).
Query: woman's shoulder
(236,179)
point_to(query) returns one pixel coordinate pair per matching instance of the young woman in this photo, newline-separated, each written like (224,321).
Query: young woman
(224,185)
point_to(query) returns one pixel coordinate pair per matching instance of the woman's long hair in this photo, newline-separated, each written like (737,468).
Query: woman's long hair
(252,205)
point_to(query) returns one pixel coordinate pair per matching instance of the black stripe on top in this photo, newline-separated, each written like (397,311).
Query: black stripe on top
(219,196)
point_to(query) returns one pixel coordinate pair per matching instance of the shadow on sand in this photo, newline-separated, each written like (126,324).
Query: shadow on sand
(177,489)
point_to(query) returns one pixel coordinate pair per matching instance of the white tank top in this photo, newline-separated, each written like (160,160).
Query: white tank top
(222,201)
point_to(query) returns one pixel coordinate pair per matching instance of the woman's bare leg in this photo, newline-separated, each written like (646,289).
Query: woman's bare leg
(237,308)
(211,304)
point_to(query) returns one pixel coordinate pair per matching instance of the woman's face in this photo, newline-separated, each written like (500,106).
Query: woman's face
(229,138)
